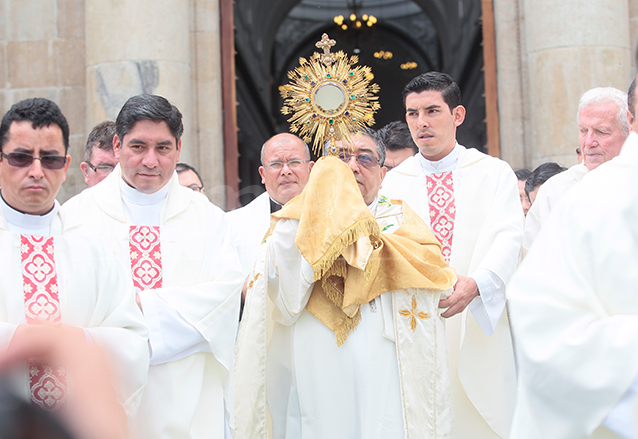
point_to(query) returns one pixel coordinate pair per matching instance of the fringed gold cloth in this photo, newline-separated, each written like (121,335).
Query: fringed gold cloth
(352,261)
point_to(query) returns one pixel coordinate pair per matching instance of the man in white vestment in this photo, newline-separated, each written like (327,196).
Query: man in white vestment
(574,312)
(603,127)
(344,295)
(99,158)
(178,250)
(285,167)
(58,282)
(471,203)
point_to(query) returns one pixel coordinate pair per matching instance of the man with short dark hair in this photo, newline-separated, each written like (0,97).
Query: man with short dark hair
(189,177)
(179,253)
(522,175)
(58,282)
(398,143)
(99,159)
(471,203)
(541,174)
(285,167)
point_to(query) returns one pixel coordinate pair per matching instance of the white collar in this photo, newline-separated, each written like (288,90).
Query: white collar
(447,163)
(134,196)
(27,224)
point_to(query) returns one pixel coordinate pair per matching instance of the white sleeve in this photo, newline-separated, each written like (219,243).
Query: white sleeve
(488,306)
(171,337)
(289,274)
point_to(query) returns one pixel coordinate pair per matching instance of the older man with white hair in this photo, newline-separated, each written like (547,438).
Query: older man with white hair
(603,126)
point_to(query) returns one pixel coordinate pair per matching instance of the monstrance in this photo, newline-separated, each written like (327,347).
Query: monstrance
(329,97)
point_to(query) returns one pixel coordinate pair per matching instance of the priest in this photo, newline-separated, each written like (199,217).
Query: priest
(603,127)
(58,282)
(341,335)
(471,202)
(285,167)
(575,312)
(179,255)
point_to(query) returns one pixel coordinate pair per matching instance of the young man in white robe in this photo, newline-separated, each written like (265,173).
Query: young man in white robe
(603,127)
(285,167)
(343,298)
(574,312)
(58,282)
(177,248)
(471,203)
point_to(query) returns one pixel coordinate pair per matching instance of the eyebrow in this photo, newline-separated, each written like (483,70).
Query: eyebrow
(431,107)
(140,141)
(43,152)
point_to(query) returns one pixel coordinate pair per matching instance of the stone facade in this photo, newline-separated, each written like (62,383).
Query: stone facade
(90,56)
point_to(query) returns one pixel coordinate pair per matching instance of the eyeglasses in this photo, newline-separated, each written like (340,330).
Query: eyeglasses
(104,169)
(195,188)
(22,160)
(366,160)
(292,164)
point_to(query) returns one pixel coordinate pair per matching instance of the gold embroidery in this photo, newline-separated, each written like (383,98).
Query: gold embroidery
(413,313)
(250,284)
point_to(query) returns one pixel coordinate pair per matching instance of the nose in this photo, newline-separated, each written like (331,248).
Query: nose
(423,120)
(150,158)
(589,138)
(353,164)
(285,169)
(35,170)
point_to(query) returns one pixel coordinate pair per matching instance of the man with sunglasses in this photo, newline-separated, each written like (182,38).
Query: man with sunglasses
(58,281)
(285,167)
(348,296)
(178,250)
(471,202)
(99,159)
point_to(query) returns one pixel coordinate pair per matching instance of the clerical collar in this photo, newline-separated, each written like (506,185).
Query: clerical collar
(143,209)
(27,224)
(274,206)
(447,163)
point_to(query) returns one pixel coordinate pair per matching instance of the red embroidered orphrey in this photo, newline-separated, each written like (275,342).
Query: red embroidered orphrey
(42,302)
(442,209)
(146,257)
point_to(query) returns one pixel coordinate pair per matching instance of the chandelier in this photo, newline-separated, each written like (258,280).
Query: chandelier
(355,20)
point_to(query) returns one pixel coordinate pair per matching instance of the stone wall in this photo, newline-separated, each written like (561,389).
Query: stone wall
(42,54)
(90,56)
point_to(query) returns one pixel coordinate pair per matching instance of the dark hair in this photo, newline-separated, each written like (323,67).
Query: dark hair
(523,174)
(396,136)
(436,81)
(183,167)
(40,112)
(631,98)
(149,107)
(541,174)
(101,136)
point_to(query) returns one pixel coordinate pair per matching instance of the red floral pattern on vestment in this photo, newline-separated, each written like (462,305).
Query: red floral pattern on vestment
(442,209)
(42,302)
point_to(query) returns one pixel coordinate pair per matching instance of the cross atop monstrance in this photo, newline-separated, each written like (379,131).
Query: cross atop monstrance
(326,43)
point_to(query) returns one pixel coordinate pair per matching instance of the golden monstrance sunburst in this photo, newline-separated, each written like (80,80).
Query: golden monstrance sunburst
(329,97)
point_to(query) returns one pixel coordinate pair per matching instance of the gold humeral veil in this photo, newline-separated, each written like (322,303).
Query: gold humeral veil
(353,262)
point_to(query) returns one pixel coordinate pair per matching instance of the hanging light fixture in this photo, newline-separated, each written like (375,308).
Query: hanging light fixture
(356,20)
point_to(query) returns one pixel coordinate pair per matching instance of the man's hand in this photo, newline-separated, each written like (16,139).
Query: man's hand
(465,290)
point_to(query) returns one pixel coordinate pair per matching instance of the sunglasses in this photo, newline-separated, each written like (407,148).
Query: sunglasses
(22,160)
(366,160)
